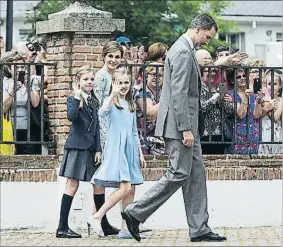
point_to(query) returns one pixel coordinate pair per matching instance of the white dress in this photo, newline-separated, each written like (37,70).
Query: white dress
(266,135)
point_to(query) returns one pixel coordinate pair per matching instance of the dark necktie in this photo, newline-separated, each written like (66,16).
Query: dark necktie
(89,103)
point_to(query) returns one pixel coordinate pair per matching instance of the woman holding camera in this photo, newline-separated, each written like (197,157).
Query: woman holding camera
(212,103)
(15,100)
(248,112)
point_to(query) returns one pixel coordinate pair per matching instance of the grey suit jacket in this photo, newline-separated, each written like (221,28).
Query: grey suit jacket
(179,101)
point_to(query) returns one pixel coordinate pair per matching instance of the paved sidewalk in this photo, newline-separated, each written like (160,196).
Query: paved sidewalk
(259,236)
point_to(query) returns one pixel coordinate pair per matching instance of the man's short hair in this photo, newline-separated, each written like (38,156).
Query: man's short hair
(203,21)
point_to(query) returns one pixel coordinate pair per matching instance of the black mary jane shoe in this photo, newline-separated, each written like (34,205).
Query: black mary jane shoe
(67,233)
(109,230)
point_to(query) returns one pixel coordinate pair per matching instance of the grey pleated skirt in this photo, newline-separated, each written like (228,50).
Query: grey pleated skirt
(78,164)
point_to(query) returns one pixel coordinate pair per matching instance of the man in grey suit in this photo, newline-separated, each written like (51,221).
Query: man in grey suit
(178,123)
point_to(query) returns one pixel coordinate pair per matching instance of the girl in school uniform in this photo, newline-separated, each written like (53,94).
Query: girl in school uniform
(123,157)
(82,150)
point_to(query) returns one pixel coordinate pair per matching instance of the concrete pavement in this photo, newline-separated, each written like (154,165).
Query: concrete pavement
(257,236)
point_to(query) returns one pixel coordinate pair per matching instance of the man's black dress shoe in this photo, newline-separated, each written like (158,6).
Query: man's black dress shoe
(209,237)
(67,233)
(109,230)
(132,224)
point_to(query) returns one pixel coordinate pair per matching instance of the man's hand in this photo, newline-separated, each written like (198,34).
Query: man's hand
(188,138)
(97,158)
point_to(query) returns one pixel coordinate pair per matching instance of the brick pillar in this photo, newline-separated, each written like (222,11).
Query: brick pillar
(75,37)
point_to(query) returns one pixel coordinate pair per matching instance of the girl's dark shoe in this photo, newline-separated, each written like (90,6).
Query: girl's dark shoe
(67,233)
(109,230)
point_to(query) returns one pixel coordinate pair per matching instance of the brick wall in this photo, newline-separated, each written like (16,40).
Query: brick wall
(70,51)
(218,167)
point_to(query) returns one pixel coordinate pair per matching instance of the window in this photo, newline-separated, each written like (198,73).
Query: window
(237,40)
(24,33)
(278,37)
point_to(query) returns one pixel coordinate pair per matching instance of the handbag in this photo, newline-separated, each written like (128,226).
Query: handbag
(7,149)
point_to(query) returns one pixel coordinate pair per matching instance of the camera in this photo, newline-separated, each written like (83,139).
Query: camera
(21,76)
(257,85)
(36,46)
(222,90)
(145,43)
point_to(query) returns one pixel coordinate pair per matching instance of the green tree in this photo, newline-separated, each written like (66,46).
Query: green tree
(180,14)
(161,20)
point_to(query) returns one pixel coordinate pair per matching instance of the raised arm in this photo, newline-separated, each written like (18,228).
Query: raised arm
(73,105)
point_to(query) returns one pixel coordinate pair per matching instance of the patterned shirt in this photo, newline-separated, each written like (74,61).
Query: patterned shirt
(212,112)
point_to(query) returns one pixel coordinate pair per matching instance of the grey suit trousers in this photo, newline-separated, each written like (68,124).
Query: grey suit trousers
(186,170)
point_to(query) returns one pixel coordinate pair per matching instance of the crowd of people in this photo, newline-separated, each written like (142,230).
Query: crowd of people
(237,104)
(21,118)
(142,101)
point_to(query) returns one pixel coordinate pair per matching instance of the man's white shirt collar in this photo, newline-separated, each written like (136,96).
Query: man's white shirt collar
(189,40)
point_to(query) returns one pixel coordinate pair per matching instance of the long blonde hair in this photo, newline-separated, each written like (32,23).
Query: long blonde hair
(79,73)
(129,97)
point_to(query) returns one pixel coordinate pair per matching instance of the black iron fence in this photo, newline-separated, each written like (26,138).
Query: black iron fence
(23,106)
(228,120)
(250,86)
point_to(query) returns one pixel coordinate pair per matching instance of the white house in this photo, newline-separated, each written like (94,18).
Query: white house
(258,22)
(20,28)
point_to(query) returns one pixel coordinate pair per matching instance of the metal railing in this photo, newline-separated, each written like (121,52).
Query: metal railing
(139,73)
(27,79)
(222,70)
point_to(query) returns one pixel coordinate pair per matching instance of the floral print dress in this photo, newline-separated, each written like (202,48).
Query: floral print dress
(102,82)
(246,145)
(212,113)
(266,135)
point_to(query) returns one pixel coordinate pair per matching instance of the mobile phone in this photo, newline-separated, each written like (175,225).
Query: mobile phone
(222,90)
(257,85)
(145,43)
(21,76)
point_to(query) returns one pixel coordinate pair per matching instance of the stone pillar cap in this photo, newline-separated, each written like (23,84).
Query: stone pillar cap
(81,9)
(80,17)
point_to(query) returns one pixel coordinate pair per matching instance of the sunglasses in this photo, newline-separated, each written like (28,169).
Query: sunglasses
(241,76)
(212,70)
(154,74)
